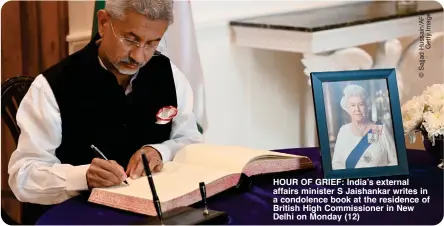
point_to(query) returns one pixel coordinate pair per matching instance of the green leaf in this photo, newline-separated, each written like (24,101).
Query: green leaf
(199,128)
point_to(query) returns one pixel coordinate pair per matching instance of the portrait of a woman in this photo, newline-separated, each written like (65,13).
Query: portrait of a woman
(362,142)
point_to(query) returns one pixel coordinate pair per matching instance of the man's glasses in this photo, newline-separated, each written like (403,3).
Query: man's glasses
(128,44)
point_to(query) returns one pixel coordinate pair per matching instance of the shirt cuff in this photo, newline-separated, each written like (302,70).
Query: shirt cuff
(76,178)
(164,151)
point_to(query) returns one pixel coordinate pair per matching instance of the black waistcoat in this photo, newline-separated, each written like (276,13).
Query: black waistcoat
(95,110)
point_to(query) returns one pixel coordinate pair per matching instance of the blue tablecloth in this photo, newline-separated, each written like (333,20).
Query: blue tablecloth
(256,206)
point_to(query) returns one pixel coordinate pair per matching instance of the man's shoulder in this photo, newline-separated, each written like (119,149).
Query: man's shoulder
(67,65)
(161,57)
(157,67)
(160,61)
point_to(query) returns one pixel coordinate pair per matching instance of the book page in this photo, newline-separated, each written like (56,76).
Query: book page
(228,158)
(175,180)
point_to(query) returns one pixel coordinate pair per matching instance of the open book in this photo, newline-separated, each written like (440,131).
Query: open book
(177,185)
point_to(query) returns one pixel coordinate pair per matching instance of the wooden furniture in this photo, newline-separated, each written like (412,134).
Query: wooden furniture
(33,39)
(13,91)
(328,29)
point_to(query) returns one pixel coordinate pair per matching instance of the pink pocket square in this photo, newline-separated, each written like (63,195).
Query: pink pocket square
(166,114)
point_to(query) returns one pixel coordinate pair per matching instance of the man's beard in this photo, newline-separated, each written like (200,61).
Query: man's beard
(127,71)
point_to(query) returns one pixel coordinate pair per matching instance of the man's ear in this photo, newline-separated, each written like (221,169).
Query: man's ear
(102,19)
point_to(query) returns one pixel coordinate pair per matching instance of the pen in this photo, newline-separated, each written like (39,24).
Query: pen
(100,154)
(203,193)
(153,188)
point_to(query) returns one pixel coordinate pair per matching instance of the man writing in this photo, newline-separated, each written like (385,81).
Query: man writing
(118,94)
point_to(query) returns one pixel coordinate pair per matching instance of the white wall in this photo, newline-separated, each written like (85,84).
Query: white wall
(80,24)
(80,17)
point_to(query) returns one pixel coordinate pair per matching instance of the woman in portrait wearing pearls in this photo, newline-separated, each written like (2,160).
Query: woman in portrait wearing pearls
(362,143)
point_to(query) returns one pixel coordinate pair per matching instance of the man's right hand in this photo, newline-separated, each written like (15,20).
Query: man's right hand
(103,173)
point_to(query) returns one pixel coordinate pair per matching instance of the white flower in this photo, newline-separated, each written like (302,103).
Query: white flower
(434,123)
(412,113)
(434,97)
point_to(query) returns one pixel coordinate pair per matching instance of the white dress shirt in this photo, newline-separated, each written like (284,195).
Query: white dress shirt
(36,175)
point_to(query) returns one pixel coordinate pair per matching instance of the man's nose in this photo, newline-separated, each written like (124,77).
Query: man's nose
(138,55)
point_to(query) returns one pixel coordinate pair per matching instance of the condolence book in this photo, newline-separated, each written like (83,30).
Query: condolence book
(177,185)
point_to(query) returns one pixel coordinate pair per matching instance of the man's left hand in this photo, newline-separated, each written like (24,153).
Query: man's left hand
(135,167)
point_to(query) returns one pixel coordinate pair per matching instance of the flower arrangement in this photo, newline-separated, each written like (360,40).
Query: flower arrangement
(425,113)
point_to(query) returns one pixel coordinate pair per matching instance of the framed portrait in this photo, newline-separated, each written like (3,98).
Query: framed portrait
(359,123)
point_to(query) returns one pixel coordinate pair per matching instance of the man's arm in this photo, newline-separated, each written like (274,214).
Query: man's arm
(184,129)
(35,173)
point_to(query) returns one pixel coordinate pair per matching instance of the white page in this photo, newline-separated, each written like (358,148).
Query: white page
(173,181)
(228,158)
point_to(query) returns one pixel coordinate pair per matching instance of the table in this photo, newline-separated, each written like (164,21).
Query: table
(336,27)
(255,206)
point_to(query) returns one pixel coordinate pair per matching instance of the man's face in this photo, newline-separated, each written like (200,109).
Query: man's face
(130,43)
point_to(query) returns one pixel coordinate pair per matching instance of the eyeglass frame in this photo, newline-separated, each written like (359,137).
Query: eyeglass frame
(132,43)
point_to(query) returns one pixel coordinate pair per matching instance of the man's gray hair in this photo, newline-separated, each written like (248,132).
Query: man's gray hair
(152,9)
(355,90)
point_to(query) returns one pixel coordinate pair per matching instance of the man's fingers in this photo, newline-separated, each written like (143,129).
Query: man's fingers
(150,154)
(138,171)
(98,182)
(112,168)
(135,162)
(154,164)
(122,171)
(158,167)
(98,177)
(135,166)
(98,162)
(131,165)
(107,175)
(129,168)
(108,170)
